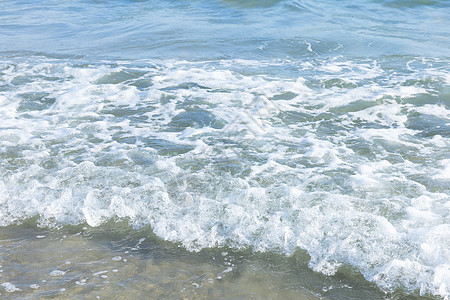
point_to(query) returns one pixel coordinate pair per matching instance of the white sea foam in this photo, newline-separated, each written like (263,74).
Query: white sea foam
(10,288)
(330,161)
(57,273)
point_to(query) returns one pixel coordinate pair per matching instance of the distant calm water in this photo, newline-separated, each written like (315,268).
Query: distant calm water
(225,149)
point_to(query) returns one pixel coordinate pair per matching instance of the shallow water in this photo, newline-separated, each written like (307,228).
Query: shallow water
(295,149)
(114,261)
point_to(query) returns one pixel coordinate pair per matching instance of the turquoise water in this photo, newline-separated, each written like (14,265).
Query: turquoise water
(275,149)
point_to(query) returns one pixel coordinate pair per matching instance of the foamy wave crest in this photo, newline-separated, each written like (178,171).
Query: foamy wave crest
(347,160)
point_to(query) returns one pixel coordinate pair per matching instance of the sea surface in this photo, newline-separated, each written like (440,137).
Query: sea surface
(225,149)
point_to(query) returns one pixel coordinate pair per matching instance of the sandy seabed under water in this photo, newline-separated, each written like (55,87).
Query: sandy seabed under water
(116,261)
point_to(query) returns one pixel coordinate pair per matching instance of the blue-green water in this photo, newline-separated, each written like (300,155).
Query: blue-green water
(212,30)
(225,149)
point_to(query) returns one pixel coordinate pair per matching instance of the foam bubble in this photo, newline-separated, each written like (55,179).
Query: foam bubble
(57,273)
(10,288)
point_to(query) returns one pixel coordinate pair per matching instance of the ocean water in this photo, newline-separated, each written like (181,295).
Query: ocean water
(275,149)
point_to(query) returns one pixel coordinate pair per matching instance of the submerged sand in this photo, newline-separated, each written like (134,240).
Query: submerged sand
(116,261)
